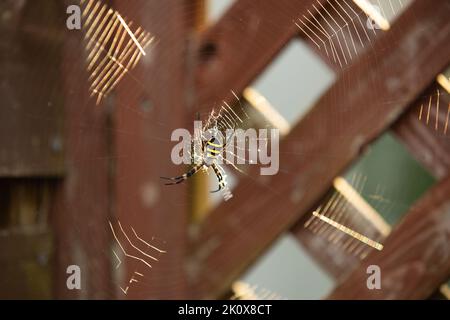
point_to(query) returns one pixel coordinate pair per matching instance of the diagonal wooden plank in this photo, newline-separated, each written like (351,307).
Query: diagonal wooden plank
(242,43)
(333,259)
(367,98)
(430,146)
(416,256)
(343,35)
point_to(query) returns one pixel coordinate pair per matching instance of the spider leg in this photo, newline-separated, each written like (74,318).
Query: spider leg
(174,182)
(179,179)
(220,178)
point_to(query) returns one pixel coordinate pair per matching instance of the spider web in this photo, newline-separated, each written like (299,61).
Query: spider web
(221,123)
(113,48)
(112,54)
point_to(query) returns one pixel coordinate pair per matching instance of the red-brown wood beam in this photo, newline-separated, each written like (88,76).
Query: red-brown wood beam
(82,201)
(428,144)
(31,134)
(241,44)
(429,147)
(343,36)
(149,105)
(416,256)
(335,260)
(366,99)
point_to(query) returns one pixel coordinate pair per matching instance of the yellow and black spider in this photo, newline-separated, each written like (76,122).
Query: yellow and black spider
(213,146)
(211,150)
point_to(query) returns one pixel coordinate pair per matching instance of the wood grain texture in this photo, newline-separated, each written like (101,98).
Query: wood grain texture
(25,263)
(343,36)
(149,105)
(416,256)
(234,51)
(31,105)
(430,146)
(81,207)
(366,99)
(334,257)
(337,262)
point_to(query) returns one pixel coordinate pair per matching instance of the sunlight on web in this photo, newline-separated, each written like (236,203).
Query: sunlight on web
(349,231)
(113,48)
(342,29)
(270,113)
(351,195)
(371,11)
(321,33)
(346,210)
(433,105)
(142,256)
(225,120)
(245,291)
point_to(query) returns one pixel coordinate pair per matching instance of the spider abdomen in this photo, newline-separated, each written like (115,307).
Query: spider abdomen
(213,148)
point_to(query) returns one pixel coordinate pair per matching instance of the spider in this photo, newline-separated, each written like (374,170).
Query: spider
(211,151)
(212,146)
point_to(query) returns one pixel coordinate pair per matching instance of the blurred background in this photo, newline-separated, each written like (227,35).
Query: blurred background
(91,91)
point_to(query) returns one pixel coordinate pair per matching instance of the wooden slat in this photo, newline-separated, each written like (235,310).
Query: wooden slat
(241,44)
(430,146)
(31,106)
(149,105)
(25,262)
(346,25)
(83,198)
(336,261)
(366,99)
(416,256)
